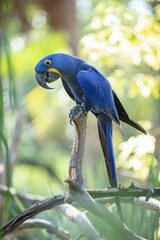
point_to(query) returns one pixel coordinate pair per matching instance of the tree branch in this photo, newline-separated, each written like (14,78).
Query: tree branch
(81,220)
(98,194)
(84,200)
(131,191)
(75,165)
(50,227)
(152,204)
(69,211)
(47,204)
(36,208)
(80,195)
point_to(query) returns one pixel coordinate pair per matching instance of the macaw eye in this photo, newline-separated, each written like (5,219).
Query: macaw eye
(47,62)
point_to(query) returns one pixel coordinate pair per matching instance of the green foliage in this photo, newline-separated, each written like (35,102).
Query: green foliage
(124,45)
(4,149)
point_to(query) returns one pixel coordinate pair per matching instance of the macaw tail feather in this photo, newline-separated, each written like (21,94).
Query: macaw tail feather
(105,135)
(133,124)
(123,116)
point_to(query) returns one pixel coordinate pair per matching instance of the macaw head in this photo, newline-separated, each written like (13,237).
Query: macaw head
(52,67)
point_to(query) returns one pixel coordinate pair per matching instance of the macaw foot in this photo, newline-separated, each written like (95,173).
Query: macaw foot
(74,111)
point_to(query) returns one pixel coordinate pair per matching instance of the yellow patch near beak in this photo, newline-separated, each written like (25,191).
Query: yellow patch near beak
(54,70)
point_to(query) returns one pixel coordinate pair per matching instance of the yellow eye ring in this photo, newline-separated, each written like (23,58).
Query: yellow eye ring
(47,62)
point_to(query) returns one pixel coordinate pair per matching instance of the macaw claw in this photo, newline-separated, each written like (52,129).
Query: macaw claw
(74,111)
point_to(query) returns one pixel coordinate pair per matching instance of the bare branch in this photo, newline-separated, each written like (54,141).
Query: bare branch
(84,199)
(80,195)
(131,191)
(75,165)
(55,201)
(98,194)
(81,220)
(50,227)
(69,211)
(32,211)
(152,204)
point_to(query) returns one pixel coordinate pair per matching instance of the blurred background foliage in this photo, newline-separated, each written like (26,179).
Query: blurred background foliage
(121,38)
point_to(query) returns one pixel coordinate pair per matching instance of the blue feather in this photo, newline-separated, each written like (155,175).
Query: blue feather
(99,92)
(105,124)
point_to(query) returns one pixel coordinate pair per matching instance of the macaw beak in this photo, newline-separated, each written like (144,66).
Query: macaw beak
(46,77)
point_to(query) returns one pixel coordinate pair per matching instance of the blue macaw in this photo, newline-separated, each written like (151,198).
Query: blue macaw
(88,88)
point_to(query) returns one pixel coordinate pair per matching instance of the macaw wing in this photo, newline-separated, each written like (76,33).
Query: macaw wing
(65,85)
(99,92)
